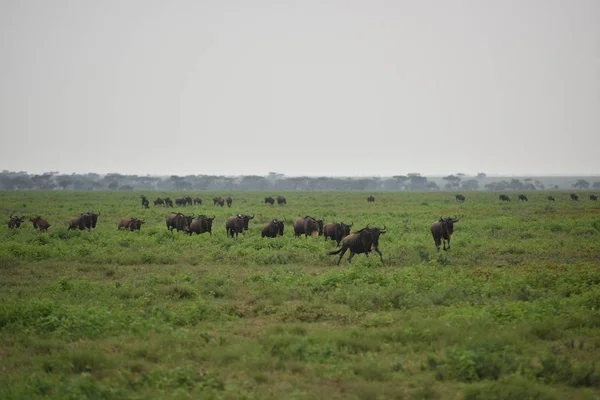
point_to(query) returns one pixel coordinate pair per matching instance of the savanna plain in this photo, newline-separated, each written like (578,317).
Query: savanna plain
(511,311)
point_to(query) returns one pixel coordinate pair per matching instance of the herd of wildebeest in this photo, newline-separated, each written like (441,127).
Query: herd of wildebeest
(363,240)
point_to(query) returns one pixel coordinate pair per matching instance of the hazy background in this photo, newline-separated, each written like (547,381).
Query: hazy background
(300,87)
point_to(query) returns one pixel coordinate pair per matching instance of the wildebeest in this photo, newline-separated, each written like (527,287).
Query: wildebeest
(40,223)
(216,200)
(574,197)
(522,197)
(308,226)
(336,231)
(197,200)
(269,200)
(180,202)
(178,221)
(133,224)
(219,201)
(15,222)
(188,200)
(159,202)
(593,197)
(370,199)
(272,229)
(201,225)
(460,197)
(168,202)
(281,200)
(504,197)
(145,202)
(551,198)
(362,241)
(443,229)
(229,201)
(237,224)
(86,220)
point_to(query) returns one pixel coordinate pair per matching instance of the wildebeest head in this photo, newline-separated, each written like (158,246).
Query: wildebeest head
(346,228)
(245,218)
(15,222)
(370,236)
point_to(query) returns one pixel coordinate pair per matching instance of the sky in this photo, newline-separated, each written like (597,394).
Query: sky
(311,87)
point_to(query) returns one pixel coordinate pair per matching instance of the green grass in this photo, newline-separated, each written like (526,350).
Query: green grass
(510,312)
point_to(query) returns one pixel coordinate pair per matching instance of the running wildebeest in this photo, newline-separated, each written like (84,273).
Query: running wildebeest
(460,197)
(272,229)
(551,198)
(168,202)
(522,197)
(219,201)
(197,200)
(133,224)
(308,226)
(504,197)
(442,230)
(216,200)
(281,200)
(40,223)
(362,241)
(229,201)
(145,202)
(178,221)
(269,200)
(370,199)
(201,225)
(593,197)
(237,224)
(15,222)
(574,197)
(188,200)
(336,231)
(159,202)
(181,202)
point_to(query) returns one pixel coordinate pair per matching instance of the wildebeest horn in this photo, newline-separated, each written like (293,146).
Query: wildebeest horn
(252,217)
(351,223)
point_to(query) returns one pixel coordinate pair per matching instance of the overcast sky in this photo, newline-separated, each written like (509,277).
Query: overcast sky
(327,87)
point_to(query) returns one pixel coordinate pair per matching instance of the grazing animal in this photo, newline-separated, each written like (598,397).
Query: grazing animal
(269,200)
(593,197)
(272,229)
(201,225)
(574,197)
(178,221)
(159,202)
(133,224)
(237,224)
(362,241)
(504,197)
(86,220)
(181,202)
(168,202)
(188,200)
(370,199)
(219,201)
(197,200)
(145,202)
(15,222)
(229,201)
(308,226)
(551,198)
(336,231)
(281,200)
(522,197)
(40,223)
(442,230)
(460,198)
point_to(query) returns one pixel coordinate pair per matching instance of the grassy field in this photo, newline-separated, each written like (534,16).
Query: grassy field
(512,311)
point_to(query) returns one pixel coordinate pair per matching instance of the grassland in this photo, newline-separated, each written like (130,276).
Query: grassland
(512,311)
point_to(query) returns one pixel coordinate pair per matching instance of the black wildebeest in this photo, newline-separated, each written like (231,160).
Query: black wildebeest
(188,200)
(370,199)
(574,197)
(443,229)
(308,226)
(86,220)
(219,201)
(216,200)
(40,223)
(178,221)
(168,202)
(237,224)
(460,198)
(281,200)
(159,202)
(504,197)
(180,202)
(522,197)
(201,225)
(269,200)
(197,200)
(362,241)
(229,201)
(551,198)
(145,202)
(133,224)
(15,222)
(272,229)
(336,231)
(593,197)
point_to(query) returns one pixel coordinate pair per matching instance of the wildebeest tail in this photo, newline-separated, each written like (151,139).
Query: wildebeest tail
(335,252)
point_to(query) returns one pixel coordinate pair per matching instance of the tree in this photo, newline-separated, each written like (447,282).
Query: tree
(481,175)
(64,181)
(471,184)
(453,181)
(596,185)
(581,184)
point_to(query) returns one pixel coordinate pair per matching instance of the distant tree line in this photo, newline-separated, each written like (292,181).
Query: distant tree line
(273,181)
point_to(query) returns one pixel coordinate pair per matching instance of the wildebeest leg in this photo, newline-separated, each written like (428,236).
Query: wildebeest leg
(438,242)
(341,255)
(380,255)
(350,256)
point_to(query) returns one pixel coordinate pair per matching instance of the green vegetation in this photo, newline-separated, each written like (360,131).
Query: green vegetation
(510,312)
